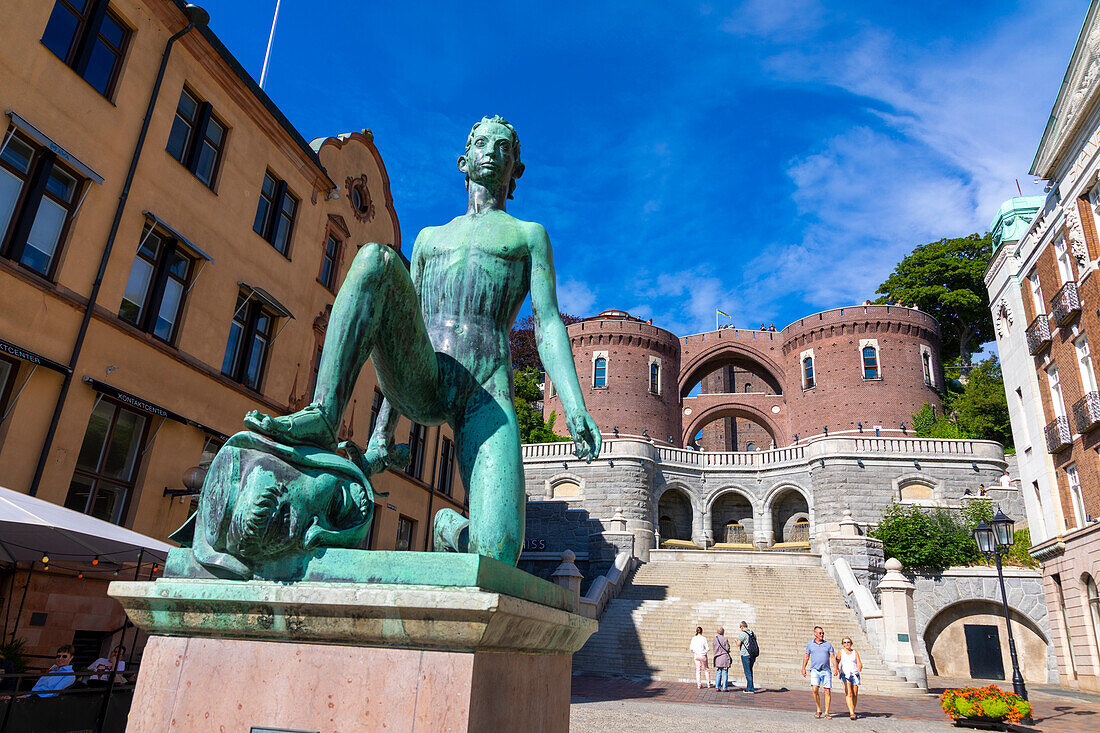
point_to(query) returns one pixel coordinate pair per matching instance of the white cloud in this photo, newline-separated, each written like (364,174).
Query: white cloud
(950,130)
(575,298)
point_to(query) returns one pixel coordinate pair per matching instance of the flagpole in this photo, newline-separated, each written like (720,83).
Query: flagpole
(270,38)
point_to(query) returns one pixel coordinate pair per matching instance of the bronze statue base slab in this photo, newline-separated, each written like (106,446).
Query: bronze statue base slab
(257,656)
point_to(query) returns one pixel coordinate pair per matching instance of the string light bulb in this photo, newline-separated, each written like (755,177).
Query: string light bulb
(96,560)
(45,559)
(80,575)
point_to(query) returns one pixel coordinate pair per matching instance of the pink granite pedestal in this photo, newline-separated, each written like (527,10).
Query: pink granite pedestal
(233,685)
(341,658)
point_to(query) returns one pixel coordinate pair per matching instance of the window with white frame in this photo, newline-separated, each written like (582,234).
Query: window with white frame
(1075,495)
(927,366)
(868,351)
(654,375)
(1084,363)
(807,359)
(1061,256)
(599,370)
(1055,385)
(1037,293)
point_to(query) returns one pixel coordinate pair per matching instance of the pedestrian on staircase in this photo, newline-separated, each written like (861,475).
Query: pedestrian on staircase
(822,660)
(850,667)
(700,647)
(722,661)
(750,650)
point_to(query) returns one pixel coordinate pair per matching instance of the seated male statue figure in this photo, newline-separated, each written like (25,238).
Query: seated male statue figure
(438,337)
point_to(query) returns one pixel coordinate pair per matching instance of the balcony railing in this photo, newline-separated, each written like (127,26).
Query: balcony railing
(1086,412)
(1058,435)
(1065,304)
(1038,335)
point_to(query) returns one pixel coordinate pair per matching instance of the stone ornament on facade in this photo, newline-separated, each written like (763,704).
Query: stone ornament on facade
(1004,318)
(1075,235)
(362,207)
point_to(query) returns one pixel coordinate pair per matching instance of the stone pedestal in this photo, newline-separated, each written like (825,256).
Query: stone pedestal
(470,652)
(901,651)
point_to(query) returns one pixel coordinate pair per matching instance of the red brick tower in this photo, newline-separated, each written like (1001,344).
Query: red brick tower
(629,372)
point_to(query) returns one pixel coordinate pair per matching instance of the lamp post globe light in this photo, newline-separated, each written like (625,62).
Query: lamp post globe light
(994,539)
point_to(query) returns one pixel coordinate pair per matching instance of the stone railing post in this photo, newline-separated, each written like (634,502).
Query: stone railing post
(899,623)
(568,577)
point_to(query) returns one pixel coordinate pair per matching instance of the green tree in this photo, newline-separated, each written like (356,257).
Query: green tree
(524,346)
(928,423)
(931,539)
(982,408)
(944,279)
(532,428)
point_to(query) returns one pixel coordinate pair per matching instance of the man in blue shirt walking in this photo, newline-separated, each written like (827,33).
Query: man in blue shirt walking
(821,657)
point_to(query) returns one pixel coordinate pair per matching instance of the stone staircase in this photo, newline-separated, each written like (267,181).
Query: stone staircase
(646,630)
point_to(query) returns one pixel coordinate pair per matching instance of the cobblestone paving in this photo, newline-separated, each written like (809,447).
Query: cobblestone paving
(609,705)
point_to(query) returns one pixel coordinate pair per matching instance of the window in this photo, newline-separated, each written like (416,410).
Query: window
(158,282)
(1094,609)
(330,261)
(275,213)
(197,138)
(1075,495)
(320,350)
(654,378)
(8,370)
(748,387)
(405,532)
(250,335)
(599,373)
(916,492)
(375,408)
(1067,642)
(1055,391)
(926,365)
(750,446)
(1061,256)
(416,451)
(870,363)
(1037,293)
(1084,363)
(37,200)
(108,459)
(90,39)
(808,373)
(445,477)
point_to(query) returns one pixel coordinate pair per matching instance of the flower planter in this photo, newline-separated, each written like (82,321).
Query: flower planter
(993,724)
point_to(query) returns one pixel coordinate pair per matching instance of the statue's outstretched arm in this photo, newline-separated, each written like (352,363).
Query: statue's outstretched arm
(553,347)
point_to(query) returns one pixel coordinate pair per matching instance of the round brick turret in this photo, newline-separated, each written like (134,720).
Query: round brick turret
(621,395)
(904,374)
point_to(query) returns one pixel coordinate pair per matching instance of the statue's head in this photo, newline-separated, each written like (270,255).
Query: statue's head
(492,154)
(262,500)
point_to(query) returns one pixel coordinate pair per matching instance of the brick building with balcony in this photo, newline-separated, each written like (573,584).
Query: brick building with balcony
(1045,297)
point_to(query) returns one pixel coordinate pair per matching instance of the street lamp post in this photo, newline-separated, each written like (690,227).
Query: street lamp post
(994,538)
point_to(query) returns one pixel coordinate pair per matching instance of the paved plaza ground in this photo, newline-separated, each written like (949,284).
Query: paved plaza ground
(611,705)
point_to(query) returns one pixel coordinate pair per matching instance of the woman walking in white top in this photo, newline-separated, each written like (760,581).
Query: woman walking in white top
(850,665)
(700,647)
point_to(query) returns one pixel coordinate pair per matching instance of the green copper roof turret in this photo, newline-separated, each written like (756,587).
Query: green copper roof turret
(1014,217)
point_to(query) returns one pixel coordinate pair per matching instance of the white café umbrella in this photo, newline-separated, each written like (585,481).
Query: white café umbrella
(31,528)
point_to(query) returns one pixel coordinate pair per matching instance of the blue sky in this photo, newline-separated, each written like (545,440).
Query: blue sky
(770,158)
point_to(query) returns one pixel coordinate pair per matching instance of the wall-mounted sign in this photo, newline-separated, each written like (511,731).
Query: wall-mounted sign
(903,637)
(257,729)
(7,347)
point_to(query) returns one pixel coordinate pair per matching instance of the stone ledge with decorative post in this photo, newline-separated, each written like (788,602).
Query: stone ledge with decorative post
(900,648)
(360,640)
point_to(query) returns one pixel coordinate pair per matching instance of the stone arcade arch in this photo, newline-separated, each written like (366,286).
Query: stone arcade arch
(675,514)
(732,514)
(790,512)
(946,639)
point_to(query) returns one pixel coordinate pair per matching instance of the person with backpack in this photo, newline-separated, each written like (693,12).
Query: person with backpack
(750,650)
(722,661)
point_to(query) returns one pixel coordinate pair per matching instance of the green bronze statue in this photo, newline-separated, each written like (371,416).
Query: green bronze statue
(438,337)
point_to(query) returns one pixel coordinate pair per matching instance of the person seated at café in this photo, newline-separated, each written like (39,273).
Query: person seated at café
(102,668)
(49,684)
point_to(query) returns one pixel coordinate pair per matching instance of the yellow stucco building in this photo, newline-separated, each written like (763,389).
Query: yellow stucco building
(156,284)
